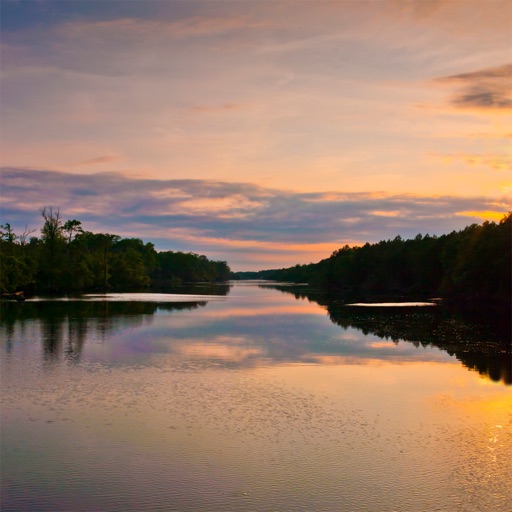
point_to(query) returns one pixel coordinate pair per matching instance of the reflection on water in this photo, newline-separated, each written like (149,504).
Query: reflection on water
(64,326)
(178,293)
(261,332)
(260,401)
(476,346)
(479,336)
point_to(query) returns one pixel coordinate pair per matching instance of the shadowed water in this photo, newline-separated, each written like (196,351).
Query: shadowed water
(256,399)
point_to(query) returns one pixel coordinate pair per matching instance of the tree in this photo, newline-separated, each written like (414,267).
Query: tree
(52,229)
(132,263)
(103,243)
(53,248)
(23,237)
(16,270)
(472,263)
(72,228)
(7,234)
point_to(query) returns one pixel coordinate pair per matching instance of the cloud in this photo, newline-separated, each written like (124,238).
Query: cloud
(482,97)
(194,26)
(217,108)
(486,215)
(486,89)
(120,47)
(494,162)
(279,92)
(98,160)
(499,72)
(247,225)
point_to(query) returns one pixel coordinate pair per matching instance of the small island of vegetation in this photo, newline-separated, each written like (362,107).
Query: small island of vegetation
(66,258)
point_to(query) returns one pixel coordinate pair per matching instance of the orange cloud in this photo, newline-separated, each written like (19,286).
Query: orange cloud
(222,207)
(382,213)
(484,215)
(197,236)
(323,197)
(498,162)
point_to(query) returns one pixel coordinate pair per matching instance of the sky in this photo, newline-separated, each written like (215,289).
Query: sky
(263,133)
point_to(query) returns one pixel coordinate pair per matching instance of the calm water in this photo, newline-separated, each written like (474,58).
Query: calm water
(252,399)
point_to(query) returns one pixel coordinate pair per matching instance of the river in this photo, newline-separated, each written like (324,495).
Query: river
(252,397)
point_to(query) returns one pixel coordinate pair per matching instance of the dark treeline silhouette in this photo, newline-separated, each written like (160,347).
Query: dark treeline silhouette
(472,263)
(66,258)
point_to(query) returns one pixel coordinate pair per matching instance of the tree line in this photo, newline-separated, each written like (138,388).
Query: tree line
(471,263)
(67,258)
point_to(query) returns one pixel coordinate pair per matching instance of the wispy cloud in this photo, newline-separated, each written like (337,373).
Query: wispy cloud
(303,93)
(217,108)
(247,225)
(489,88)
(98,160)
(495,162)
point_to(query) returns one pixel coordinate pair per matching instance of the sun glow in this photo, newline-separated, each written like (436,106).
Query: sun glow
(483,215)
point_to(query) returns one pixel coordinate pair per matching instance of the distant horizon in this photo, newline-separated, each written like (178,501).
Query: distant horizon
(264,134)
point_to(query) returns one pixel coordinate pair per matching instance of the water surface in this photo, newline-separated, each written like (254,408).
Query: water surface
(256,399)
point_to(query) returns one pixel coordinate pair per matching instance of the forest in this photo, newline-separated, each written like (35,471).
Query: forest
(66,258)
(473,263)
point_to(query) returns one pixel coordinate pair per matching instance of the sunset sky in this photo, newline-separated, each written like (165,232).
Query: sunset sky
(264,133)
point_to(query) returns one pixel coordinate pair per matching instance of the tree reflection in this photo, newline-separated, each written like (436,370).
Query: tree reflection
(200,289)
(66,325)
(76,336)
(478,335)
